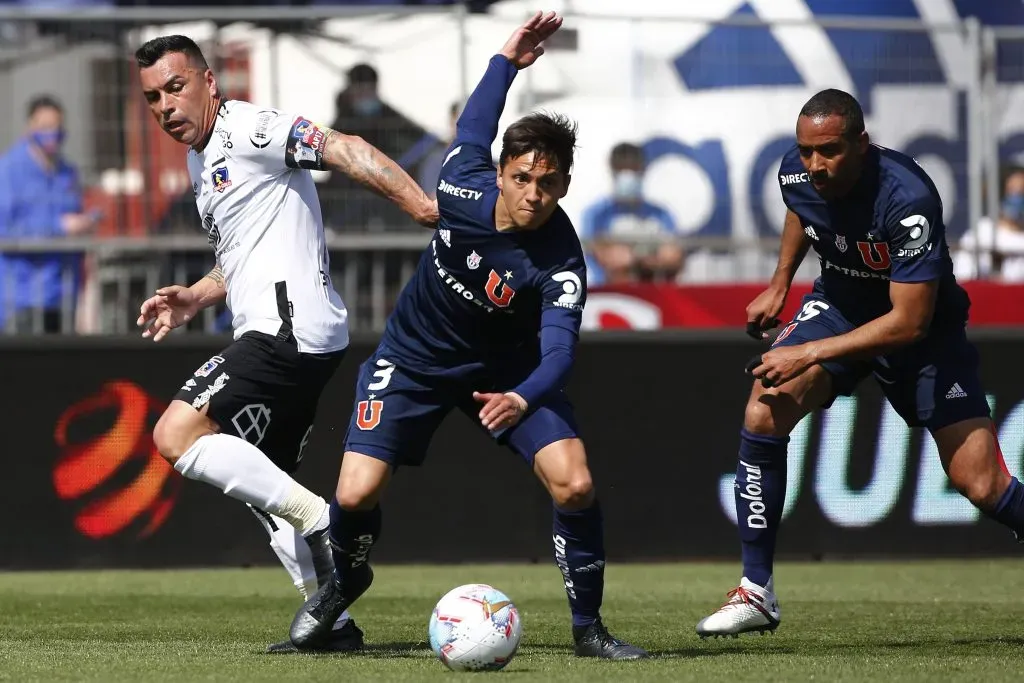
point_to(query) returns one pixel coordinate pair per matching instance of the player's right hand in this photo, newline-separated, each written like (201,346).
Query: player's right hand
(524,46)
(171,307)
(763,312)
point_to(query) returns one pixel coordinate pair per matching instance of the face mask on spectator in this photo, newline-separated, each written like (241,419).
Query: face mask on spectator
(1013,207)
(49,141)
(628,185)
(367,106)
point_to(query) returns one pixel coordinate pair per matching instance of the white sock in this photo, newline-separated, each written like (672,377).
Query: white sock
(293,552)
(243,472)
(291,549)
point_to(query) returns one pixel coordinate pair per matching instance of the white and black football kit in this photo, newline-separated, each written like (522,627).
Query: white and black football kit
(259,207)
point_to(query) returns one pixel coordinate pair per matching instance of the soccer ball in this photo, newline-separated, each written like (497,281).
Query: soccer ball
(475,628)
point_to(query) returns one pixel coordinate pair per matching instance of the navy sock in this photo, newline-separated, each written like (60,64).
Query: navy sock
(1010,508)
(353,533)
(579,554)
(760,495)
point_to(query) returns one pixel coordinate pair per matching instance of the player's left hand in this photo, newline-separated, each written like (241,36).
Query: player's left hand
(500,411)
(778,366)
(524,46)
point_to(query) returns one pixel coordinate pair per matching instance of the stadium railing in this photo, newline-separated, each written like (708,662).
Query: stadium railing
(150,234)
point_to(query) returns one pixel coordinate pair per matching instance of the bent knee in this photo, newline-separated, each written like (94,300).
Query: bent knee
(178,428)
(577,493)
(758,417)
(361,482)
(983,489)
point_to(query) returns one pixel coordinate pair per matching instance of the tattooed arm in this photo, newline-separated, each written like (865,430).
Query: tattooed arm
(367,165)
(210,290)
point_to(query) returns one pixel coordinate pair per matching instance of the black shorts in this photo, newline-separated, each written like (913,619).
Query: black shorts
(260,388)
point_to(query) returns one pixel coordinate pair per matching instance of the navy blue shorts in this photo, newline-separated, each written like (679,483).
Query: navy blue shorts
(396,413)
(933,384)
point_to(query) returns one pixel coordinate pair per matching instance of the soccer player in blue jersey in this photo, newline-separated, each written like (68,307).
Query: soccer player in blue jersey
(886,304)
(487,326)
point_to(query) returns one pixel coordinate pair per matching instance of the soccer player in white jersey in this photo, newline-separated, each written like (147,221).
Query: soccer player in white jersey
(241,420)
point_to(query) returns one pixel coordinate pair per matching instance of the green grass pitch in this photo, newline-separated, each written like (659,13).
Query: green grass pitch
(893,622)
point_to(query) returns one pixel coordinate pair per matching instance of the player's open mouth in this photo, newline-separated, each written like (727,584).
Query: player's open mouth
(172,126)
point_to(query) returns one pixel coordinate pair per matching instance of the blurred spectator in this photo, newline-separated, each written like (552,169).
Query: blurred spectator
(360,111)
(995,249)
(629,238)
(40,199)
(430,169)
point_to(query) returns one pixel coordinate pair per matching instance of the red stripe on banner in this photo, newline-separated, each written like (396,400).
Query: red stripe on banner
(652,307)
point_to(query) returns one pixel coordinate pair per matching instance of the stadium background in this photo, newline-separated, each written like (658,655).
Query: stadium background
(711,94)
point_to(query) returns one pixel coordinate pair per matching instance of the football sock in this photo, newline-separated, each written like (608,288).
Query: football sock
(291,550)
(353,533)
(1010,508)
(579,553)
(242,471)
(760,494)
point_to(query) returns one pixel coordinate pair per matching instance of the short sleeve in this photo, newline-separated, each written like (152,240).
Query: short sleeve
(564,294)
(917,240)
(277,141)
(466,172)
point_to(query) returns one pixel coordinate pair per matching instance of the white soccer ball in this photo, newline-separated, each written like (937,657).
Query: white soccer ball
(475,628)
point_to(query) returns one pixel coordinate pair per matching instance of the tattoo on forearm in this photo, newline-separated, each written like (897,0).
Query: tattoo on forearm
(217,275)
(368,166)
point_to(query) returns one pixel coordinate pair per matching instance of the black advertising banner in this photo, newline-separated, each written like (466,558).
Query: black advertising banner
(660,416)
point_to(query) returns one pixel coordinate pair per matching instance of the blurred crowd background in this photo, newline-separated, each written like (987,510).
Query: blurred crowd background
(685,110)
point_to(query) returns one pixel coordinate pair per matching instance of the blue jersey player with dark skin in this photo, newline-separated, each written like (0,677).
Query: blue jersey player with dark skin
(886,304)
(487,326)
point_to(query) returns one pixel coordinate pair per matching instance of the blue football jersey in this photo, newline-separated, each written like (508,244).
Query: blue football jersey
(479,297)
(889,228)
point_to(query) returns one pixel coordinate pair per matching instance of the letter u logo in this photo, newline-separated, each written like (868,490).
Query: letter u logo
(499,297)
(875,255)
(368,414)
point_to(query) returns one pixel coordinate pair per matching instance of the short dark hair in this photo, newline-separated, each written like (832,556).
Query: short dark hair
(833,102)
(43,102)
(362,73)
(626,151)
(152,51)
(548,135)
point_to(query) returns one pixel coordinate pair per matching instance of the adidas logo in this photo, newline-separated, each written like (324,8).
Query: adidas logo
(956,392)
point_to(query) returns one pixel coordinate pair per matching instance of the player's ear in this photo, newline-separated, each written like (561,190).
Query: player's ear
(500,182)
(565,189)
(211,82)
(863,140)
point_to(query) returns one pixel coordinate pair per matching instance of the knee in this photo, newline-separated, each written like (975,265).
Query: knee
(576,493)
(760,419)
(361,482)
(177,430)
(983,489)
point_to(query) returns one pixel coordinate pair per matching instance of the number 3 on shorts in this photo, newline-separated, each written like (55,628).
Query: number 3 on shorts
(368,412)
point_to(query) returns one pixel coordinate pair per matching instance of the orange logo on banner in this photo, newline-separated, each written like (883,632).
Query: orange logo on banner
(85,465)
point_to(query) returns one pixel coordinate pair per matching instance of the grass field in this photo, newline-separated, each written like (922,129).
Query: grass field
(841,622)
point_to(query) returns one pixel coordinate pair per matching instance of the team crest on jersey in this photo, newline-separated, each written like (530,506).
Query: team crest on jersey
(220,179)
(209,366)
(473,260)
(841,243)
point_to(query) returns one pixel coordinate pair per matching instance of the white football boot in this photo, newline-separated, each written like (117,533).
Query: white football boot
(750,608)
